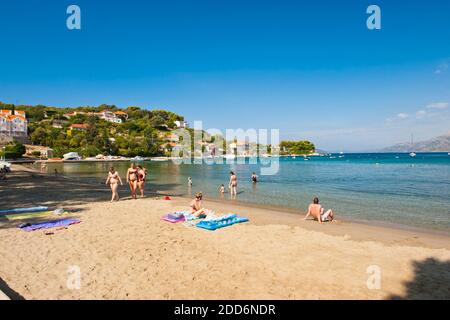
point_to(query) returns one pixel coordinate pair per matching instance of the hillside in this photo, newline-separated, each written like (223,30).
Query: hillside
(438,144)
(105,129)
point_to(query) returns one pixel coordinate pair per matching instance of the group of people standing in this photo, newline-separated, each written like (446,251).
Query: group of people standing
(135,178)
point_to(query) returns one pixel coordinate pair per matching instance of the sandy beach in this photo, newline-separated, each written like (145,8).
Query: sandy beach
(124,251)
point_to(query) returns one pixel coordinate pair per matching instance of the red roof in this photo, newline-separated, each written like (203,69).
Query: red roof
(17,116)
(78,126)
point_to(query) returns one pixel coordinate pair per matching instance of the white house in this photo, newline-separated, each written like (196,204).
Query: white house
(114,117)
(181,124)
(109,116)
(13,125)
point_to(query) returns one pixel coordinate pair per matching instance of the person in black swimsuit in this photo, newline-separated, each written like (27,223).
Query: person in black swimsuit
(142,173)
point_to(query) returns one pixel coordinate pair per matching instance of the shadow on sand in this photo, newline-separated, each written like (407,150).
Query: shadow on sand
(10,293)
(431,281)
(29,189)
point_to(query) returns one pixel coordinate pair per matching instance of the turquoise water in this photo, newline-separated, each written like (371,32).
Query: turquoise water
(373,187)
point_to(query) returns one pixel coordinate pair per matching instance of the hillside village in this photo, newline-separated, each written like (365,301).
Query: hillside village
(109,131)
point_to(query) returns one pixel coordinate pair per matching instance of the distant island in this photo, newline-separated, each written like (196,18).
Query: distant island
(438,144)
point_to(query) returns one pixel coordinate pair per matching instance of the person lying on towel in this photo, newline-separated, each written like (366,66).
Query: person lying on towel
(197,209)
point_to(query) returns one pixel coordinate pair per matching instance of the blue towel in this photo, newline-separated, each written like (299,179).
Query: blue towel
(49,224)
(24,210)
(221,222)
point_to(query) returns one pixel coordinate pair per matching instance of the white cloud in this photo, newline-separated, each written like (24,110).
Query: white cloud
(402,115)
(441,68)
(438,105)
(420,114)
(431,110)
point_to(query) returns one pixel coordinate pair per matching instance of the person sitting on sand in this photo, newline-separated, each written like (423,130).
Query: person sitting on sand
(113,180)
(317,211)
(197,209)
(2,174)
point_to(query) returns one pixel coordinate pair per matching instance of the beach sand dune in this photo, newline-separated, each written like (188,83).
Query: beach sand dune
(124,251)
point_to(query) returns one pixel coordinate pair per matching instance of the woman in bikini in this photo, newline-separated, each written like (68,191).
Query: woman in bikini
(142,173)
(233,184)
(132,179)
(197,209)
(113,179)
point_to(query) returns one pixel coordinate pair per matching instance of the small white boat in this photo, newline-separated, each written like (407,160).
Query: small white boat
(137,158)
(412,154)
(71,156)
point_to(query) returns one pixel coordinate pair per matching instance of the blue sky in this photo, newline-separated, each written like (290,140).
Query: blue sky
(309,68)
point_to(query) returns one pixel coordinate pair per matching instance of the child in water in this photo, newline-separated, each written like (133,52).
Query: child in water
(189,182)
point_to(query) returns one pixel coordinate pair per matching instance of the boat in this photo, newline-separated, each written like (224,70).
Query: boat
(71,156)
(229,156)
(412,154)
(137,158)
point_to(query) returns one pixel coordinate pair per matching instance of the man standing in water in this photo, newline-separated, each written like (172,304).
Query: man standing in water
(233,184)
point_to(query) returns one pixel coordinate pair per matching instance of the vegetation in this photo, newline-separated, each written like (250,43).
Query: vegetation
(296,147)
(12,151)
(142,134)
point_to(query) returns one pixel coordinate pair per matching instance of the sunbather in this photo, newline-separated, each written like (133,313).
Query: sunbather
(197,209)
(317,211)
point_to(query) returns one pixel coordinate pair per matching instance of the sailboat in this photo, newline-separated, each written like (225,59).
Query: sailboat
(412,154)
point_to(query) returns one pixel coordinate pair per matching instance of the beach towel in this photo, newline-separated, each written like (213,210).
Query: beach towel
(24,210)
(174,217)
(191,220)
(49,224)
(24,216)
(221,222)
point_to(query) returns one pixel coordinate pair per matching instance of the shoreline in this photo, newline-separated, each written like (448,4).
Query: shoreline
(357,229)
(292,216)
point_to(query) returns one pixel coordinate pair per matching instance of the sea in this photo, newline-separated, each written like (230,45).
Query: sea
(392,188)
